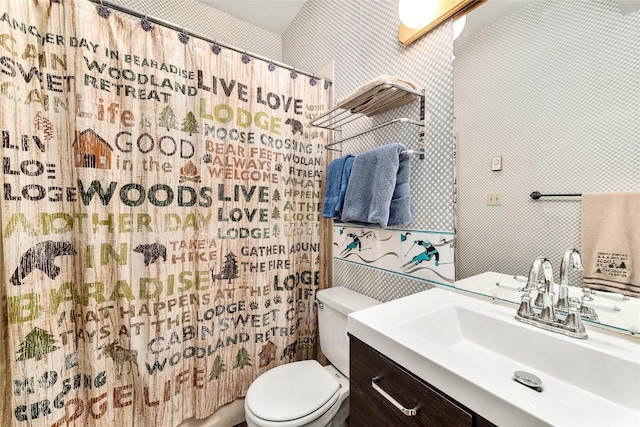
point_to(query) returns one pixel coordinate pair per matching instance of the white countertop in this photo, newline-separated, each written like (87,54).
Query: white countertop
(482,380)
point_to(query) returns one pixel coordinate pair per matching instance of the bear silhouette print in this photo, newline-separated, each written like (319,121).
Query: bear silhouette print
(296,125)
(151,252)
(41,256)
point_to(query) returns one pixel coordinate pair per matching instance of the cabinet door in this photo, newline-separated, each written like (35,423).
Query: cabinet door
(368,407)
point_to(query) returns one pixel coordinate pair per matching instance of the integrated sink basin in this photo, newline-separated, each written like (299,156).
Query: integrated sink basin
(470,349)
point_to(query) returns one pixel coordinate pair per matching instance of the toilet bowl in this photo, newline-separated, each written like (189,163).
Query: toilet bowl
(305,393)
(297,394)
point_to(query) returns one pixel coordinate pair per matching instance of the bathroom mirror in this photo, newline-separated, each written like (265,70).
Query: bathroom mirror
(551,89)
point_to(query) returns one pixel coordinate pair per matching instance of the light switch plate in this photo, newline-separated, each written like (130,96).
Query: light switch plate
(496,163)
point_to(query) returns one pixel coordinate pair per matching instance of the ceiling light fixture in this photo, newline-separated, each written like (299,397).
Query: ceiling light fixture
(418,17)
(415,14)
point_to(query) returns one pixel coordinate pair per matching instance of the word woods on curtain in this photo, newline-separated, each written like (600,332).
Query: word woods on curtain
(160,230)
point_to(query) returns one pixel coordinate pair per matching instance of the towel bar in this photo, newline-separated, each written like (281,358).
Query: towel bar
(398,120)
(536,195)
(421,151)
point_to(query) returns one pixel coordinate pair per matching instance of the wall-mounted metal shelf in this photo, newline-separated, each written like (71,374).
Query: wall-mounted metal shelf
(376,97)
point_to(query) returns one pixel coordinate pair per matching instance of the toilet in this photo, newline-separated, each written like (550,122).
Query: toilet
(306,393)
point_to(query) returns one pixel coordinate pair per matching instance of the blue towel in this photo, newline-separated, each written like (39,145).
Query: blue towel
(334,195)
(378,189)
(346,174)
(401,211)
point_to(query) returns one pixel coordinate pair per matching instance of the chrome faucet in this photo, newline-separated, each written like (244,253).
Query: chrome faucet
(572,324)
(547,313)
(525,310)
(547,319)
(571,259)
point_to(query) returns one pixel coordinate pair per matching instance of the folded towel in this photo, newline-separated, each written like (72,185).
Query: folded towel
(377,186)
(334,192)
(611,242)
(378,96)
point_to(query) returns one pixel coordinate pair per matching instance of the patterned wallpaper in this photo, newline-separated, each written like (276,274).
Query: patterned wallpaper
(213,23)
(553,88)
(361,37)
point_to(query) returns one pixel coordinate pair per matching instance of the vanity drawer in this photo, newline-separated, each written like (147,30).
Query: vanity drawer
(368,407)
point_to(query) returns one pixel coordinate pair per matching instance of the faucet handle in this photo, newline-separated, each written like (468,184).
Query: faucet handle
(588,306)
(525,310)
(573,321)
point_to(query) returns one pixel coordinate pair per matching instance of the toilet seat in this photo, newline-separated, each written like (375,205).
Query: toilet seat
(294,393)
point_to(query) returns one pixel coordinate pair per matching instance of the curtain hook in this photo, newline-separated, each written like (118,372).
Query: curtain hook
(183,37)
(271,65)
(245,58)
(103,10)
(293,73)
(145,23)
(313,81)
(215,47)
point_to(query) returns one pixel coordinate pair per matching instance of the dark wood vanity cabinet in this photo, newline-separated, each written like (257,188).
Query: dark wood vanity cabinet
(368,407)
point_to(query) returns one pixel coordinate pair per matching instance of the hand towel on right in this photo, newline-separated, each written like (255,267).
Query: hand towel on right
(611,242)
(378,190)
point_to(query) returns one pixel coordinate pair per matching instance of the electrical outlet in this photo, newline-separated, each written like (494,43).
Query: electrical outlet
(494,199)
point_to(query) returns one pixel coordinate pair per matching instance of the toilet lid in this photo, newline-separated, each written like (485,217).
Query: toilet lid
(291,391)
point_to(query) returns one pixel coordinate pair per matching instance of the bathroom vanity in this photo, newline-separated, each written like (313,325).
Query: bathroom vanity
(423,405)
(447,358)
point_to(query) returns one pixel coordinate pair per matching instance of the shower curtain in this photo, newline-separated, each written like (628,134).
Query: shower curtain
(160,233)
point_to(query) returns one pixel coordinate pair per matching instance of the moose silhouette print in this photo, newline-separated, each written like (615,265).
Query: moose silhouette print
(120,355)
(41,256)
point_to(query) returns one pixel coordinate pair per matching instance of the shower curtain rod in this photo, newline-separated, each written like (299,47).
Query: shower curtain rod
(173,26)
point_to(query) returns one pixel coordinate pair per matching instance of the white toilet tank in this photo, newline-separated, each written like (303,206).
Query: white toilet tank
(335,304)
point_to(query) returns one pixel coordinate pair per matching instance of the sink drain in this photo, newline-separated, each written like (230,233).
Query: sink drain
(528,379)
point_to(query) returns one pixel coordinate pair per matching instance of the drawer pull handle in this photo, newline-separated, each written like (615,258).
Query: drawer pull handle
(408,412)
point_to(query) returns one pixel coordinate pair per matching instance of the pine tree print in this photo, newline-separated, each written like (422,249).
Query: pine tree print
(217,368)
(168,118)
(35,344)
(242,359)
(276,195)
(43,124)
(189,124)
(230,268)
(276,230)
(276,213)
